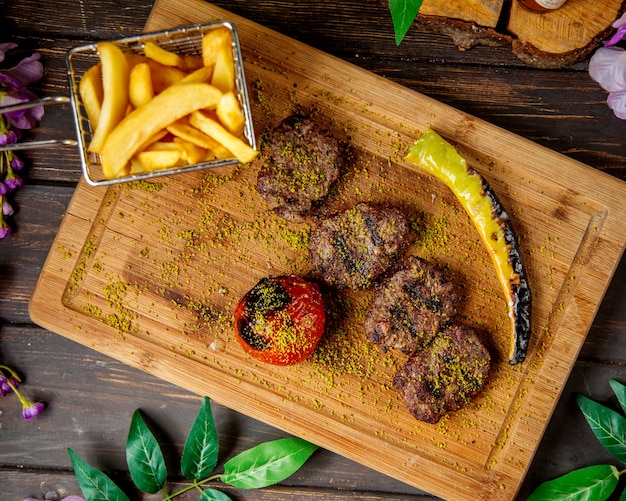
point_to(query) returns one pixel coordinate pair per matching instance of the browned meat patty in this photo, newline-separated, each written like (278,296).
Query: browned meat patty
(355,247)
(303,160)
(445,375)
(411,307)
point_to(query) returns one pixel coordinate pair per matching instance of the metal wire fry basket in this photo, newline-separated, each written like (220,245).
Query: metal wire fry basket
(185,41)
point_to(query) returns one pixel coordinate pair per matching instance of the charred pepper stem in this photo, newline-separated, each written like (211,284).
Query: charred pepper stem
(439,158)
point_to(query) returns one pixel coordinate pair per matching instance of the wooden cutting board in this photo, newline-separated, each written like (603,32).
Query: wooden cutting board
(149,273)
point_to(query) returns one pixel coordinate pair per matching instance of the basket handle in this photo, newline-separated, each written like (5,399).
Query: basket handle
(36,144)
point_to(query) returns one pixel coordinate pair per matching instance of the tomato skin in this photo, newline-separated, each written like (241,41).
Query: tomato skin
(280,320)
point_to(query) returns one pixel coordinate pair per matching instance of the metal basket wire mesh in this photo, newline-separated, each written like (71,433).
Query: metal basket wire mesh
(186,41)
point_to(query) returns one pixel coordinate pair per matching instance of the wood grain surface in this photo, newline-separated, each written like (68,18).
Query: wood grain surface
(150,273)
(91,396)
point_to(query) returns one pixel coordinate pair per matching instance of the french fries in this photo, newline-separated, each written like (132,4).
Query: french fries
(170,105)
(230,114)
(156,53)
(140,85)
(92,93)
(162,109)
(212,127)
(115,93)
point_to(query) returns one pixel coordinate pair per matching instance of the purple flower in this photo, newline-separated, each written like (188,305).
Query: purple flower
(7,210)
(27,71)
(608,67)
(5,387)
(617,102)
(618,36)
(4,47)
(13,90)
(15,161)
(5,229)
(9,384)
(31,410)
(11,179)
(8,137)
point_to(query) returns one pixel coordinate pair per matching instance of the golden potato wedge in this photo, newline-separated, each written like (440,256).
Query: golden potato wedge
(165,146)
(200,75)
(132,58)
(211,127)
(92,94)
(164,76)
(140,85)
(163,56)
(135,167)
(187,132)
(224,70)
(192,153)
(213,41)
(152,139)
(115,77)
(164,109)
(193,63)
(152,160)
(230,114)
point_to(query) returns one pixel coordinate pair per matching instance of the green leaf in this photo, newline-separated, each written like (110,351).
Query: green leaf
(592,483)
(268,463)
(96,486)
(403,13)
(607,425)
(620,392)
(214,495)
(144,457)
(202,446)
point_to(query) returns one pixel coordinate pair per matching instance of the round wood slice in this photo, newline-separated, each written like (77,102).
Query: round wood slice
(546,40)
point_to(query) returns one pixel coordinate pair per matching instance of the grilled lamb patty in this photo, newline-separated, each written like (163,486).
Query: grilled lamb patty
(445,375)
(411,307)
(354,247)
(303,160)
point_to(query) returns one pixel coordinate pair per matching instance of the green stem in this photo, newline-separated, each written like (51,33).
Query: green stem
(11,372)
(24,401)
(195,485)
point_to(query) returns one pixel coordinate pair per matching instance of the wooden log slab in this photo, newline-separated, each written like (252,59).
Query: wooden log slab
(481,12)
(545,40)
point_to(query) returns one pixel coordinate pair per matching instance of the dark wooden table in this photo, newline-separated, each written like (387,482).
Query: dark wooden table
(91,397)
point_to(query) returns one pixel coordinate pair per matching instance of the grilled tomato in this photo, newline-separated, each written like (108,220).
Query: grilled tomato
(280,320)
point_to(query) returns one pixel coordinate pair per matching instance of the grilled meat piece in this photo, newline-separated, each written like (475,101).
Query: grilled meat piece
(411,307)
(355,247)
(303,160)
(445,375)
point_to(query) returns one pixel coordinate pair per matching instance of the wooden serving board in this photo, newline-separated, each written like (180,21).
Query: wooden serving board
(149,273)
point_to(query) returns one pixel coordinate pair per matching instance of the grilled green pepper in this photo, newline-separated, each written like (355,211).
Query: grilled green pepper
(438,157)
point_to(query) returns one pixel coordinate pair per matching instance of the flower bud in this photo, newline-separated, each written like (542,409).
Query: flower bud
(32,409)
